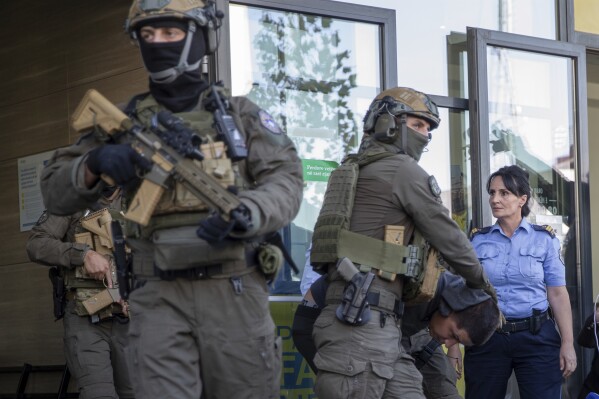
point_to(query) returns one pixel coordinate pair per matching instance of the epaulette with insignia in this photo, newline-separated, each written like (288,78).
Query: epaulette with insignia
(546,228)
(481,230)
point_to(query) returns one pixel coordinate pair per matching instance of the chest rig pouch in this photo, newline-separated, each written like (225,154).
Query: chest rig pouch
(333,240)
(216,163)
(93,297)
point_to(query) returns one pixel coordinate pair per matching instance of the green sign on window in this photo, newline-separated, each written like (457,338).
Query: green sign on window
(317,170)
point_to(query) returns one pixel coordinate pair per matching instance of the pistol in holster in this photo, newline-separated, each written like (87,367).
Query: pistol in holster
(59,298)
(354,309)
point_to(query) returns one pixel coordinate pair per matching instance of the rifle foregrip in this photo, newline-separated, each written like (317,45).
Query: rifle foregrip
(143,204)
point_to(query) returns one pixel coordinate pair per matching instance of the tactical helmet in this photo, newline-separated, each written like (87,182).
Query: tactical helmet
(201,12)
(402,100)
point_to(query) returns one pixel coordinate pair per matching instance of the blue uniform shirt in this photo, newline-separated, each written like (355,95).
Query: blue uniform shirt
(520,267)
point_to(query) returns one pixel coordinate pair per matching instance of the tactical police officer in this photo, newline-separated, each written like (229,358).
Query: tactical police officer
(382,192)
(440,371)
(202,326)
(454,307)
(95,322)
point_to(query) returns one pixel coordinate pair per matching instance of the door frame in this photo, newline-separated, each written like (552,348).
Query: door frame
(385,18)
(478,41)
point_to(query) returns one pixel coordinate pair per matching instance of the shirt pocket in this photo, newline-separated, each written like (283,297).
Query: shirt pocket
(531,261)
(490,257)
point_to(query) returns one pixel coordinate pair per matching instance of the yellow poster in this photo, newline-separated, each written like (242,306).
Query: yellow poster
(297,379)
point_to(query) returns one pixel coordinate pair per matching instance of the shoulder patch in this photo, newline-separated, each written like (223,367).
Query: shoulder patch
(269,122)
(42,219)
(546,228)
(479,230)
(435,189)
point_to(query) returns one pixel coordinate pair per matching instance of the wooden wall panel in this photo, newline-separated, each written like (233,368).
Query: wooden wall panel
(52,53)
(26,307)
(34,126)
(61,45)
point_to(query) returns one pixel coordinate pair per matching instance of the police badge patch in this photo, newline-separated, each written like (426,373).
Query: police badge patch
(435,189)
(269,122)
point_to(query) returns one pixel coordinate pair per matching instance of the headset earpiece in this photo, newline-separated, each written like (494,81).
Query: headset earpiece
(385,128)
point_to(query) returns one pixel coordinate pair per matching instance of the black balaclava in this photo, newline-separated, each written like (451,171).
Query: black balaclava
(174,82)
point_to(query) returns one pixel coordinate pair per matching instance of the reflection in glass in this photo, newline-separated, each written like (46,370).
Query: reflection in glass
(531,108)
(532,124)
(531,117)
(427,28)
(316,76)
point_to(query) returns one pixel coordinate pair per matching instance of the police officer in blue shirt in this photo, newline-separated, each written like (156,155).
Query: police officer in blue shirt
(523,262)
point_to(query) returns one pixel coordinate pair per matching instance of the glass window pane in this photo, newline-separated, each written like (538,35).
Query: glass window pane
(425,31)
(316,76)
(593,118)
(531,109)
(585,16)
(447,157)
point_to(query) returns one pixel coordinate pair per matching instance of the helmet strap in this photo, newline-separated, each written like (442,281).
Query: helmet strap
(403,121)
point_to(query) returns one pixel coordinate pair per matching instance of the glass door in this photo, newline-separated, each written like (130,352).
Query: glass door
(316,75)
(315,66)
(530,110)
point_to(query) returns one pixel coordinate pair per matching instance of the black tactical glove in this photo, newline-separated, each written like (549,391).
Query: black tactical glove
(214,228)
(117,161)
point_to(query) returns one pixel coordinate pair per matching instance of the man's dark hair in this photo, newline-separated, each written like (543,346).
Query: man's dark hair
(480,321)
(515,180)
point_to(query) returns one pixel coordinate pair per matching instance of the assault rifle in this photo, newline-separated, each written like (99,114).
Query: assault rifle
(172,152)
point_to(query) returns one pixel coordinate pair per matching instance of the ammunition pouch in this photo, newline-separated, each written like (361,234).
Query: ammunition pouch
(180,248)
(270,260)
(77,278)
(87,300)
(59,298)
(423,286)
(180,253)
(180,199)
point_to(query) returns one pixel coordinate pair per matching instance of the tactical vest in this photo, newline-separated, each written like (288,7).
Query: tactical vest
(332,238)
(92,296)
(169,241)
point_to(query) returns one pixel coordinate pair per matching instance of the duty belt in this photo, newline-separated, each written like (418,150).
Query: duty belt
(379,300)
(196,273)
(532,323)
(374,300)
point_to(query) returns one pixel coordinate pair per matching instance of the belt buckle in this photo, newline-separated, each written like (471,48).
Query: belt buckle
(508,328)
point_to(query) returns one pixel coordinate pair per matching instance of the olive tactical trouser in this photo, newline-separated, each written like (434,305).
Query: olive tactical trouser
(363,362)
(95,355)
(211,338)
